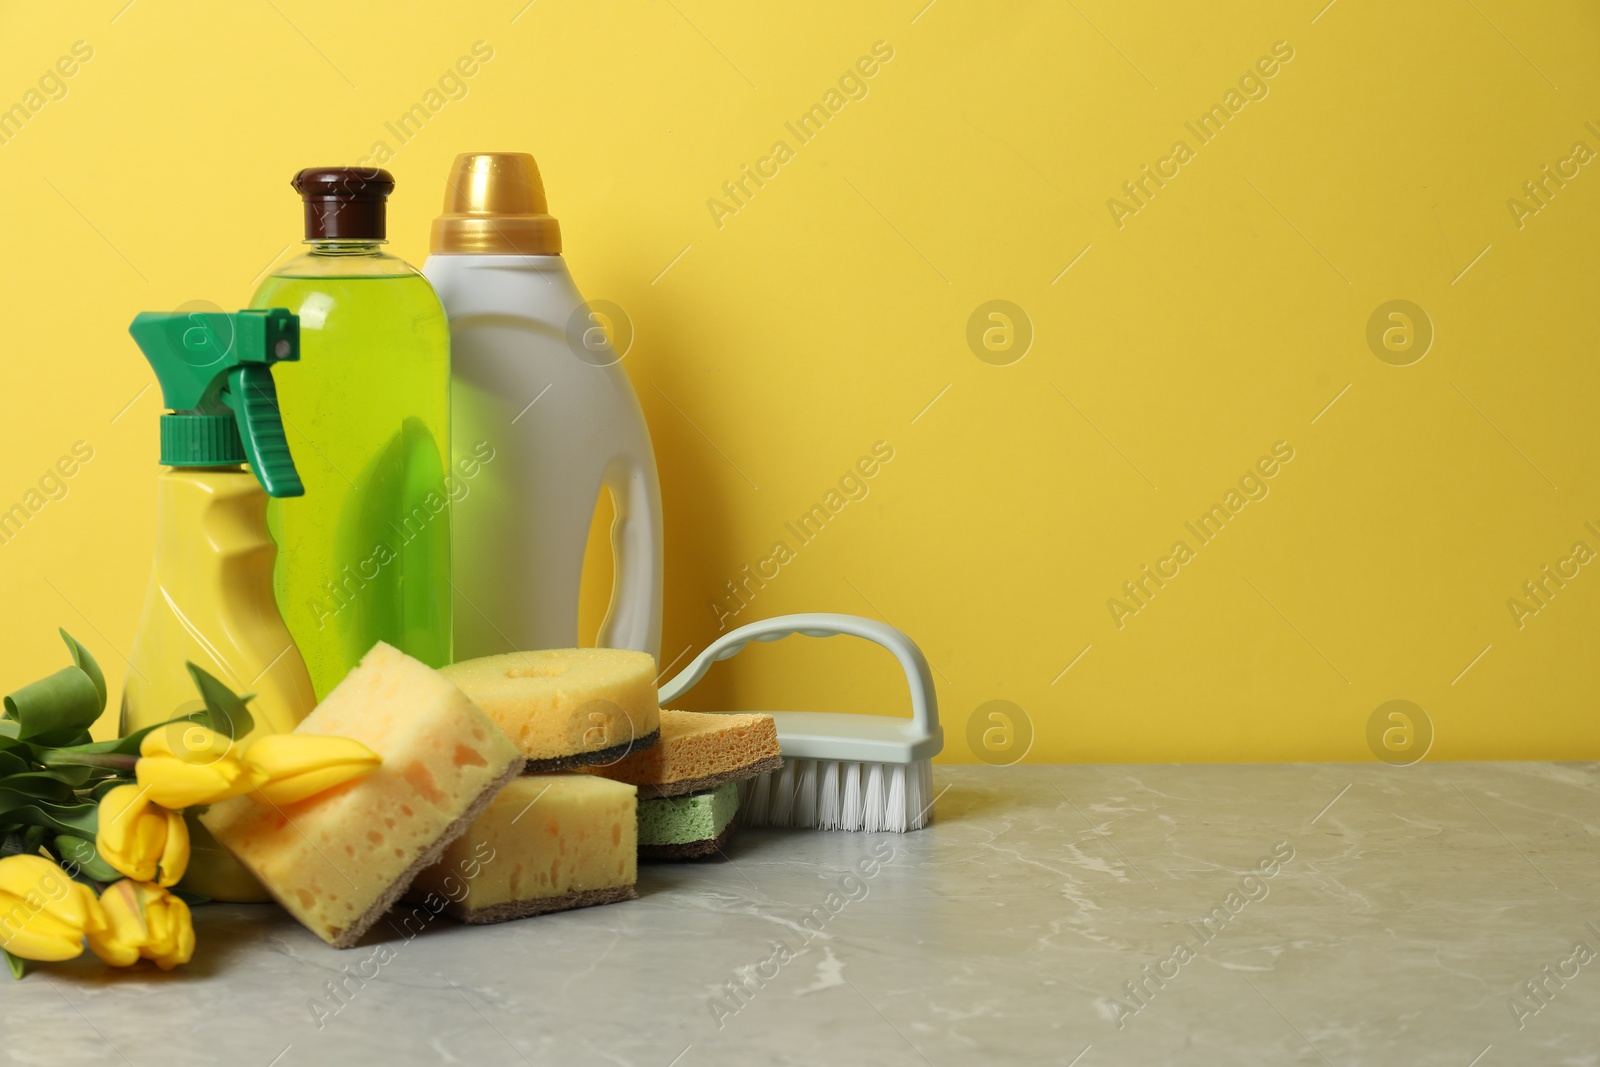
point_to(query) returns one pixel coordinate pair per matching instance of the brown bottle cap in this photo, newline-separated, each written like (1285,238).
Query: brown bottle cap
(494,204)
(344,201)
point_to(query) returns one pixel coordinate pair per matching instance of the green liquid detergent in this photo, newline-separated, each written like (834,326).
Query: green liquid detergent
(364,556)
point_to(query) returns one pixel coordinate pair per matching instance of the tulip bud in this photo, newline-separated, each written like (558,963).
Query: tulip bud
(44,914)
(183,764)
(143,920)
(140,839)
(297,766)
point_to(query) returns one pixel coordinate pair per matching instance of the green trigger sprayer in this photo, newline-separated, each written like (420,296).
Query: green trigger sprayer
(210,599)
(215,372)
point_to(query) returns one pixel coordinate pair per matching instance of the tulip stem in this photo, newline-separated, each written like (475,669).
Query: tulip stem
(111,760)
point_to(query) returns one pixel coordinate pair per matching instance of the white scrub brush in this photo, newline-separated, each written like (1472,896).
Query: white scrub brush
(840,771)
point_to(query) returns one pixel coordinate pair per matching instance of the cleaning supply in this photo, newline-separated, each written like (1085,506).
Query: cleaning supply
(699,751)
(210,597)
(534,375)
(547,842)
(840,772)
(567,707)
(337,860)
(689,827)
(365,556)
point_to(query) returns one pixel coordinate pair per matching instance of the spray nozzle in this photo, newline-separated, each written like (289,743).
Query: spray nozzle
(215,372)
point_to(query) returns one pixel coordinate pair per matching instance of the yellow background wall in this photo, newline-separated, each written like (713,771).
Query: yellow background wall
(776,344)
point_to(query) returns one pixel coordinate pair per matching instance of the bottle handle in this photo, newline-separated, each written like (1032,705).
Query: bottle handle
(633,619)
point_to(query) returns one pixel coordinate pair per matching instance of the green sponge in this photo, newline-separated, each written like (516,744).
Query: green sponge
(687,827)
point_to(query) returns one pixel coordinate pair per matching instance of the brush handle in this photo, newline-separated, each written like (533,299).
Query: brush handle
(924,722)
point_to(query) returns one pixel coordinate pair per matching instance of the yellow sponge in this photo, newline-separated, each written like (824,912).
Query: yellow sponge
(699,751)
(567,707)
(547,842)
(337,860)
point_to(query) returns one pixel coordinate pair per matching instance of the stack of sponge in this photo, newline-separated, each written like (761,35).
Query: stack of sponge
(510,786)
(557,840)
(686,783)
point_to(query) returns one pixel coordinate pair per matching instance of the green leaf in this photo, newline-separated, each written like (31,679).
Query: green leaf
(67,738)
(17,808)
(226,709)
(43,785)
(18,968)
(122,746)
(75,777)
(11,763)
(75,851)
(66,701)
(189,898)
(87,664)
(63,761)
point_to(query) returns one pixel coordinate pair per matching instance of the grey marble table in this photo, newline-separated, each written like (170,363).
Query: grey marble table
(1327,914)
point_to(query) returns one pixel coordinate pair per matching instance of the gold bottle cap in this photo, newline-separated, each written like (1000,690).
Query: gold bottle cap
(494,205)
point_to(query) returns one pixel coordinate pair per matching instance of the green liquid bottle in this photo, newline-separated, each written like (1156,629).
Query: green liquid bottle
(364,556)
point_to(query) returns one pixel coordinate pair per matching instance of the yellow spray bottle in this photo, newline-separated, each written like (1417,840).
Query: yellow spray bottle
(210,597)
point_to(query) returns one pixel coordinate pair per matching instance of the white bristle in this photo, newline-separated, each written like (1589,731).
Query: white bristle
(782,795)
(755,811)
(894,807)
(805,795)
(828,795)
(924,802)
(747,791)
(850,813)
(872,809)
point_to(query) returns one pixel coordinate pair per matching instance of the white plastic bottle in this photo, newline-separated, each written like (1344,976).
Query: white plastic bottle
(543,417)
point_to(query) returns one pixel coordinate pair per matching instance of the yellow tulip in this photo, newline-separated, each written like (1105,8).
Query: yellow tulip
(140,838)
(44,914)
(185,764)
(143,920)
(297,766)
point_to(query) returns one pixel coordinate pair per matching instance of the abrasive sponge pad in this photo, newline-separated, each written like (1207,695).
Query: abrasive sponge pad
(567,707)
(337,860)
(547,842)
(699,751)
(687,827)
